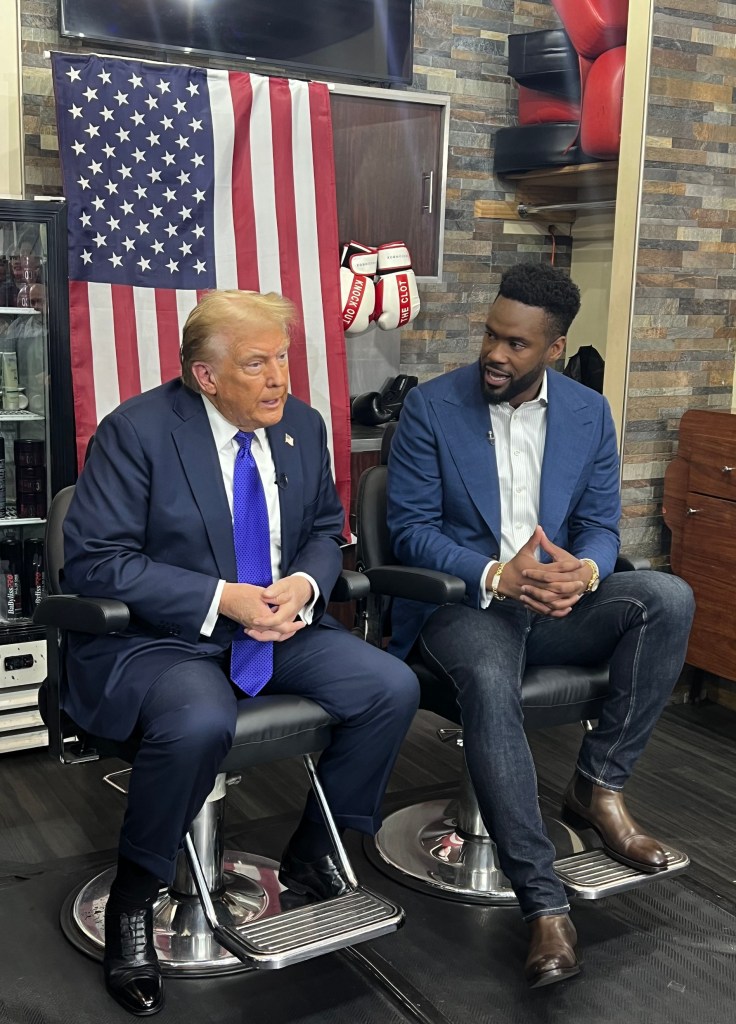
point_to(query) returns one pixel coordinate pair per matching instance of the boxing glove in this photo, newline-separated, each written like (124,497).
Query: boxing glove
(367,410)
(397,298)
(357,290)
(375,407)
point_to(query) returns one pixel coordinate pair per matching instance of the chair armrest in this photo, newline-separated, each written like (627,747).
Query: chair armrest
(626,564)
(97,615)
(350,586)
(408,581)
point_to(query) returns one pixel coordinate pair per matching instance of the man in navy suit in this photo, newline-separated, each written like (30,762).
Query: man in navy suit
(506,474)
(152,524)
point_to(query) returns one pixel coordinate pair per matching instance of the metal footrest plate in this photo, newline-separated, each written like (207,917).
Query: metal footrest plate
(591,875)
(303,932)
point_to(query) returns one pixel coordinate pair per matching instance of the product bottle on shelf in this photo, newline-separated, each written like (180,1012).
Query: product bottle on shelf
(34,565)
(30,478)
(7,285)
(11,560)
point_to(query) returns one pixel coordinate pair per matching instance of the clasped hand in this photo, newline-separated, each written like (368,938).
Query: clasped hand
(550,588)
(267,613)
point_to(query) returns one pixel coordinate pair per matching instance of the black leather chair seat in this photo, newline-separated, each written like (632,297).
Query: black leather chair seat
(550,694)
(275,727)
(268,729)
(559,694)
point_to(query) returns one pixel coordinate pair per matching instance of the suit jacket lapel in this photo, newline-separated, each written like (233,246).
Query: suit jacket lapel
(465,421)
(200,462)
(284,441)
(566,448)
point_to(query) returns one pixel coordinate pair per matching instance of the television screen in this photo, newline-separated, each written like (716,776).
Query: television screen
(369,40)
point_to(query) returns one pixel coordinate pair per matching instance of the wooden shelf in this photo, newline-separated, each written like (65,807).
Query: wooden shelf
(576,183)
(598,175)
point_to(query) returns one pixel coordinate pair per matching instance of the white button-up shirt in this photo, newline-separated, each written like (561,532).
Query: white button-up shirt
(227,449)
(518,439)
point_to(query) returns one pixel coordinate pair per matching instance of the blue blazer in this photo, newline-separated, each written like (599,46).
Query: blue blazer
(150,524)
(444,508)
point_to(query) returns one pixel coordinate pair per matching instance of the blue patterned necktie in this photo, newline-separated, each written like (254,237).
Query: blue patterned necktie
(251,664)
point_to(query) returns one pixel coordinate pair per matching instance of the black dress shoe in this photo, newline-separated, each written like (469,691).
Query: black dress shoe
(132,972)
(552,954)
(318,878)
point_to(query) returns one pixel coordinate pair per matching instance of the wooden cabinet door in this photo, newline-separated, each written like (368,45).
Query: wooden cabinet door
(709,539)
(707,563)
(388,169)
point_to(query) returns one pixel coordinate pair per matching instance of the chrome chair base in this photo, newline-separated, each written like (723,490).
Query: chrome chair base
(183,939)
(421,843)
(228,912)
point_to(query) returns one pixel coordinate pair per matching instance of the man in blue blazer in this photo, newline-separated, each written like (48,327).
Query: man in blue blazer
(207,505)
(506,474)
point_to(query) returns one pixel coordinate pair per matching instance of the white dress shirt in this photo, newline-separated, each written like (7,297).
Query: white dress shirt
(518,439)
(227,449)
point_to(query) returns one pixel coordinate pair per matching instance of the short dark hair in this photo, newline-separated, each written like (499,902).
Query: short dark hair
(546,287)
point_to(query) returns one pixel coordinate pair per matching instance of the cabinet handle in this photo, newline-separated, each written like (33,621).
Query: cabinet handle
(692,511)
(427,192)
(727,469)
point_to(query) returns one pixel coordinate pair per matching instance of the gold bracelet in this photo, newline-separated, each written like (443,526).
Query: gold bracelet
(496,580)
(595,578)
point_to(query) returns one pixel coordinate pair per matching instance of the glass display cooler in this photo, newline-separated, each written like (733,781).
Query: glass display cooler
(37,450)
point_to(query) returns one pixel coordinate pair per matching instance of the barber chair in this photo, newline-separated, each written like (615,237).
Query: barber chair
(444,848)
(224,911)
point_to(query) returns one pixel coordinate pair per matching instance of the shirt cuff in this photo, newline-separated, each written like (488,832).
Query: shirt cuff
(307,612)
(210,622)
(485,595)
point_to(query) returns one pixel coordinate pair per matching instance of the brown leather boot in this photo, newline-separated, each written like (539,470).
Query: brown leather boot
(586,805)
(552,955)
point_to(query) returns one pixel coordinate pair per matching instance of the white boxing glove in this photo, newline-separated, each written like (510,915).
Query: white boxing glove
(357,290)
(397,298)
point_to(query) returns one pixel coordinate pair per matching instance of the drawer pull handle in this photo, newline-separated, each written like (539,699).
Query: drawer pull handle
(727,469)
(427,191)
(692,511)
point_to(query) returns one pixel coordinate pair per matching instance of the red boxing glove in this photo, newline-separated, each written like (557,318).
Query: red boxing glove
(397,298)
(357,290)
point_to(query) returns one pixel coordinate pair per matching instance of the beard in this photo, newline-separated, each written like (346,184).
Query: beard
(514,387)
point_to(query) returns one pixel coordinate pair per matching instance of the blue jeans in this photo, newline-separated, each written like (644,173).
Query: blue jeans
(637,621)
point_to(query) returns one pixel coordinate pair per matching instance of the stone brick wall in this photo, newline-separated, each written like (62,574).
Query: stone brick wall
(461,50)
(682,345)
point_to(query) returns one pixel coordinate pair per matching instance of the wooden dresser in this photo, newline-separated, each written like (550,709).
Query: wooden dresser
(700,509)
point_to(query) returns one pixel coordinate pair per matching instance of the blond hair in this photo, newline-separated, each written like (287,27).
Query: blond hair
(226,312)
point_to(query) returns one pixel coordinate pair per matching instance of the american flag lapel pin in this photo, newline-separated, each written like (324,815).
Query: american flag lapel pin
(289,439)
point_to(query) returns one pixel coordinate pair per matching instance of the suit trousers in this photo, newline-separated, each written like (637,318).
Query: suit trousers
(637,621)
(187,720)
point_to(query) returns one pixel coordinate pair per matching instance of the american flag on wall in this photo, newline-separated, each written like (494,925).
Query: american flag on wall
(182,179)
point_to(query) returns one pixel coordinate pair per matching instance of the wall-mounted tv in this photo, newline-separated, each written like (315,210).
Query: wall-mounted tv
(364,40)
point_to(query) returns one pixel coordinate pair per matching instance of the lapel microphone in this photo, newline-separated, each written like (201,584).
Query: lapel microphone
(282,481)
(491,438)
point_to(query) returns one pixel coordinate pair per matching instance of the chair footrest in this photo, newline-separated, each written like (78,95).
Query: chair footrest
(591,875)
(316,928)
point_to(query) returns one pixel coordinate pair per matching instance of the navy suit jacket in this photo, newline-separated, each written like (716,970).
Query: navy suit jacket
(150,524)
(444,509)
